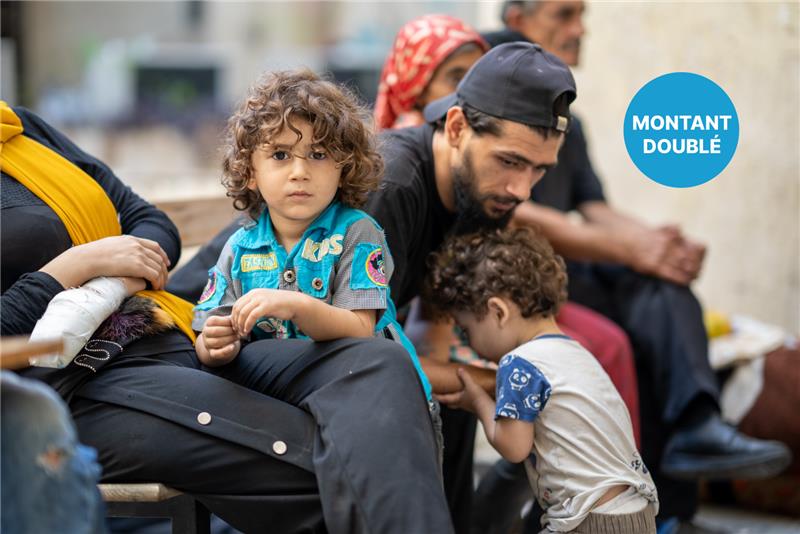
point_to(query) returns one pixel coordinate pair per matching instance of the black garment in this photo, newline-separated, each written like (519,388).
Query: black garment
(375,454)
(140,410)
(458,430)
(501,495)
(408,207)
(368,449)
(573,181)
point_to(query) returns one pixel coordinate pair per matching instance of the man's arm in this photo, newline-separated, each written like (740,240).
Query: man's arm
(661,251)
(443,376)
(609,236)
(582,242)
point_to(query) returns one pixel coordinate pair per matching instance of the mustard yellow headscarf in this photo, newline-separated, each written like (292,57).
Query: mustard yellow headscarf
(80,202)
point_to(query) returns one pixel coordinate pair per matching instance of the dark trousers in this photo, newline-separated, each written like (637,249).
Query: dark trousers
(501,495)
(375,454)
(368,437)
(665,324)
(458,429)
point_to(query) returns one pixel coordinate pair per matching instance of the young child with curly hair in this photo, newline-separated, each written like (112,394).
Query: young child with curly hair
(555,404)
(300,158)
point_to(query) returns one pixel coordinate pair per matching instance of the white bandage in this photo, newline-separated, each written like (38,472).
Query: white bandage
(73,315)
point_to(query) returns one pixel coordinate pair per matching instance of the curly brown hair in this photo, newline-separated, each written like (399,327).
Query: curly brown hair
(341,125)
(514,263)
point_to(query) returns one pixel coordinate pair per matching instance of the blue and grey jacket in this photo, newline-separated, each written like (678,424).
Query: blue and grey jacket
(342,258)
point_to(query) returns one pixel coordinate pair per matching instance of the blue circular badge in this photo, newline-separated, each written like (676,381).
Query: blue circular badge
(681,129)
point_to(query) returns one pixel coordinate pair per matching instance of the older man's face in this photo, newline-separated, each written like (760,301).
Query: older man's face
(557,26)
(496,173)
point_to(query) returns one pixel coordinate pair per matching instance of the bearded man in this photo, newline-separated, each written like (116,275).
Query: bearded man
(482,150)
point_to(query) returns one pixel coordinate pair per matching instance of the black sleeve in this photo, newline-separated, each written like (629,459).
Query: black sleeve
(137,217)
(586,184)
(398,210)
(25,301)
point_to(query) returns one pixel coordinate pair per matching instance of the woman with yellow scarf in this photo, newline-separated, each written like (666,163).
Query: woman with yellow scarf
(136,391)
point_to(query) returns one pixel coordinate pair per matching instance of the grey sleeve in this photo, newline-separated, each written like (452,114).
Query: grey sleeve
(364,270)
(221,290)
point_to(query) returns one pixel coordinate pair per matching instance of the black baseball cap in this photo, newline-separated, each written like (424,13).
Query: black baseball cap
(514,81)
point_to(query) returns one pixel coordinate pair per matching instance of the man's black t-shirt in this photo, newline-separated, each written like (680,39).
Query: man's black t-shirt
(408,206)
(573,181)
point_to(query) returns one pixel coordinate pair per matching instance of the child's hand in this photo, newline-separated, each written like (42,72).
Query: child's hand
(468,398)
(258,303)
(221,339)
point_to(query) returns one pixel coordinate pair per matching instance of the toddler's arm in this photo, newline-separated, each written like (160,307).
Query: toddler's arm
(513,439)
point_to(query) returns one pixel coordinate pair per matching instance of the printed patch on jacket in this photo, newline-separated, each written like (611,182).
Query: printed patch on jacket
(214,291)
(368,270)
(259,262)
(314,251)
(276,327)
(211,287)
(374,266)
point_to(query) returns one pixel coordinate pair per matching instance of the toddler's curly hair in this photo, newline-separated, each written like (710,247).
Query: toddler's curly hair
(515,263)
(341,126)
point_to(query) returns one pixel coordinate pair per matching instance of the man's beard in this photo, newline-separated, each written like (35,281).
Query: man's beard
(471,215)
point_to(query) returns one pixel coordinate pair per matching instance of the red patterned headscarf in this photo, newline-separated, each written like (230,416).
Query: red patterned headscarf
(419,48)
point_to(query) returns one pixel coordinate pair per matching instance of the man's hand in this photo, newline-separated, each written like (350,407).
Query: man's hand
(665,253)
(694,255)
(470,398)
(258,303)
(610,236)
(219,342)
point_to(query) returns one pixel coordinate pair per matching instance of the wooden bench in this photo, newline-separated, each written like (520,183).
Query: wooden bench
(157,500)
(198,220)
(15,351)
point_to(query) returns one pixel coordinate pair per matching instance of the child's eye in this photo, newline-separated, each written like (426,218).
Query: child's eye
(318,155)
(280,155)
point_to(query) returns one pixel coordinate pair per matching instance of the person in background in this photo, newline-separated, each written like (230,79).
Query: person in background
(428,58)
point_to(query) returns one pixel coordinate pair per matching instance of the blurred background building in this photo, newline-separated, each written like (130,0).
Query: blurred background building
(147,86)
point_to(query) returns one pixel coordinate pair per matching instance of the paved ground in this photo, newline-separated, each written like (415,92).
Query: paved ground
(729,521)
